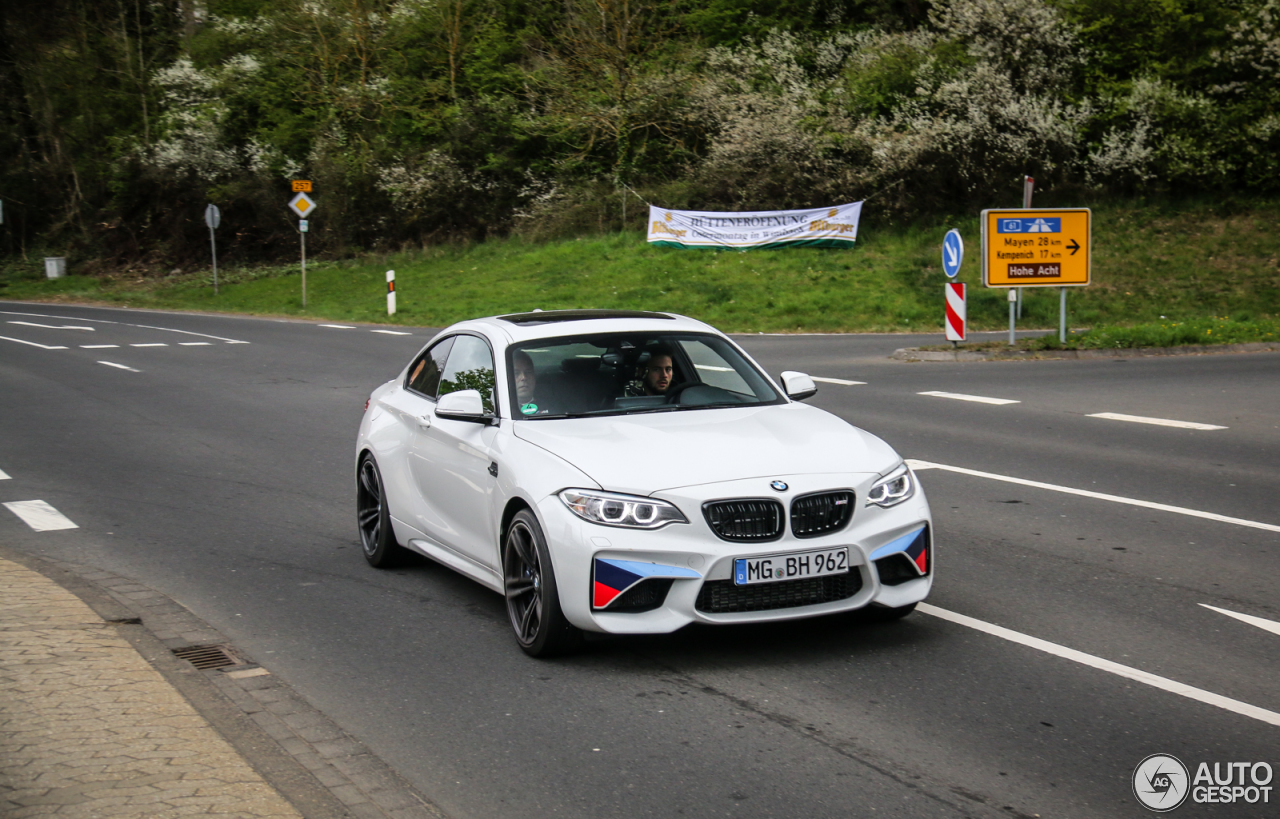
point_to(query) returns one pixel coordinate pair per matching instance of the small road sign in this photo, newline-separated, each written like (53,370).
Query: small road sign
(302,186)
(212,216)
(302,205)
(955,311)
(302,225)
(1036,248)
(952,253)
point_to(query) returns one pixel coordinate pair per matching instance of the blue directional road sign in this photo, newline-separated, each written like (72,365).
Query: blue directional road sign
(952,253)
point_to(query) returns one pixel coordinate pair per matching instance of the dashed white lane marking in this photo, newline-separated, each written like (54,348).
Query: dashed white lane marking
(1261,622)
(194,344)
(391,332)
(123,324)
(839,381)
(4,476)
(52,326)
(33,344)
(119,366)
(1085,493)
(97,346)
(1137,675)
(339,326)
(153,344)
(1160,422)
(40,516)
(981,399)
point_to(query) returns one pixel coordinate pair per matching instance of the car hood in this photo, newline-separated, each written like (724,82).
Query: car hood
(646,453)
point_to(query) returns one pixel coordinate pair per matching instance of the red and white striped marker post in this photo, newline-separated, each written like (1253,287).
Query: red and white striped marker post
(955,311)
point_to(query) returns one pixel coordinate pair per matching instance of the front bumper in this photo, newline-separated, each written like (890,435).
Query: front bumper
(891,555)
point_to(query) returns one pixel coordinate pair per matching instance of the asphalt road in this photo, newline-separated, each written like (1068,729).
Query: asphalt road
(217,468)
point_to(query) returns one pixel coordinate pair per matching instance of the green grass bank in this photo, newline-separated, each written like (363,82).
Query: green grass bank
(1153,266)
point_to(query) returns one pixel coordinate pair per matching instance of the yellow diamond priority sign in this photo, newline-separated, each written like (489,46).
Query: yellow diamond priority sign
(302,205)
(1036,248)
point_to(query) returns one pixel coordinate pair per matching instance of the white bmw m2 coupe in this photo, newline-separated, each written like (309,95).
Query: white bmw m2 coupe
(632,472)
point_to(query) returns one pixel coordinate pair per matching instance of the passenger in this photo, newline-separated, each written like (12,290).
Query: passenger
(526,378)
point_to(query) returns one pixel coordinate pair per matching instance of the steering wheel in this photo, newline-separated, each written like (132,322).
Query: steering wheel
(673,392)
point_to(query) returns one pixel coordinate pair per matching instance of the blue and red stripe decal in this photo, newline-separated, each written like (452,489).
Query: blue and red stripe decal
(914,544)
(612,578)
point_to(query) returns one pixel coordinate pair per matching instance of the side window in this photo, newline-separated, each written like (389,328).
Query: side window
(713,369)
(424,375)
(470,367)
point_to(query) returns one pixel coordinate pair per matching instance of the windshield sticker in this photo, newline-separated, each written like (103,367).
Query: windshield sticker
(529,409)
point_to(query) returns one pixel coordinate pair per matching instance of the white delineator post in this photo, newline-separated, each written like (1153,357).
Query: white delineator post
(955,311)
(391,292)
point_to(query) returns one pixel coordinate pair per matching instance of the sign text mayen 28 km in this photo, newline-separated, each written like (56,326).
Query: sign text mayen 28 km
(1036,248)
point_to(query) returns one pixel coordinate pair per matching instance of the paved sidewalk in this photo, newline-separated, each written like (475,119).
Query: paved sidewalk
(88,728)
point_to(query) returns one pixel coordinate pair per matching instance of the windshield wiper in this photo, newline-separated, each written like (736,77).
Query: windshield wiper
(717,405)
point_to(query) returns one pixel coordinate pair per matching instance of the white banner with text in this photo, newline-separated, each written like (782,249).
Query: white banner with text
(817,227)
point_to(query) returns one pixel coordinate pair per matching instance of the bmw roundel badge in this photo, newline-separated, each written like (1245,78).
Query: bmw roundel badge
(779,485)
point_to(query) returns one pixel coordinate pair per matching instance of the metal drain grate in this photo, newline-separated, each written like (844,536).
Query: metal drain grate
(207,656)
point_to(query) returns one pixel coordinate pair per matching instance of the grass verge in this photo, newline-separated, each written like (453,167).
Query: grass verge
(1157,271)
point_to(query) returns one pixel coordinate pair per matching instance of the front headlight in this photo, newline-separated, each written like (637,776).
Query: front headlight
(893,489)
(611,509)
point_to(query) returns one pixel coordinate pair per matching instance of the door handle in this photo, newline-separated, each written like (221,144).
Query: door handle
(424,421)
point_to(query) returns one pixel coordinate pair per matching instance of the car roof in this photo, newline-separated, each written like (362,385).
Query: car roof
(519,327)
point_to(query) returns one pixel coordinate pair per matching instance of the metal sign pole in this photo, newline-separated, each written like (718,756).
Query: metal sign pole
(302,231)
(213,243)
(213,218)
(1013,299)
(1028,185)
(1062,317)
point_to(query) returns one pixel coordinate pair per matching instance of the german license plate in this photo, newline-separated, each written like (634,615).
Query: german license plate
(774,568)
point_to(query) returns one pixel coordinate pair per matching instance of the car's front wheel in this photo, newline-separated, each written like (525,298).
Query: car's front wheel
(373,518)
(533,600)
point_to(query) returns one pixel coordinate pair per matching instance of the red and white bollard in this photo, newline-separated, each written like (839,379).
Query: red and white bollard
(391,292)
(955,311)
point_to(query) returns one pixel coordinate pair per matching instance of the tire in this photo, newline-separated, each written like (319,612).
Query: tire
(885,614)
(533,598)
(373,518)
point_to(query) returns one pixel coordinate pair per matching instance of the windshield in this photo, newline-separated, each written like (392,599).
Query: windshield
(626,373)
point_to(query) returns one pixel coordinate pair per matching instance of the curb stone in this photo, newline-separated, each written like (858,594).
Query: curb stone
(309,759)
(916,354)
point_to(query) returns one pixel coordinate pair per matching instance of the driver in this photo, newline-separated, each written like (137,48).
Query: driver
(658,372)
(526,378)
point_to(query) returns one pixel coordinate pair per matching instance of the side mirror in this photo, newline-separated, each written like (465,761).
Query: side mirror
(798,385)
(463,405)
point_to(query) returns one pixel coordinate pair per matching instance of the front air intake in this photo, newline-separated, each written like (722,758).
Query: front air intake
(748,520)
(723,597)
(820,514)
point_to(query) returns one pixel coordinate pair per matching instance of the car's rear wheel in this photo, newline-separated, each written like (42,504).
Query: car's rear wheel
(373,518)
(533,599)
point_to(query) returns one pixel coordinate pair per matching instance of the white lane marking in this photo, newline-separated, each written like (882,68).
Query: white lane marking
(123,324)
(4,476)
(153,344)
(40,516)
(119,366)
(33,344)
(839,381)
(391,332)
(97,346)
(981,399)
(1261,622)
(339,326)
(193,344)
(1163,683)
(1085,493)
(1160,422)
(51,326)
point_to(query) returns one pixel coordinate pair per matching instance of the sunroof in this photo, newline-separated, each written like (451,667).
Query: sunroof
(549,316)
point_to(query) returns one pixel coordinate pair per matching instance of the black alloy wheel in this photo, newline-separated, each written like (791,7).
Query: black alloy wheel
(373,518)
(533,601)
